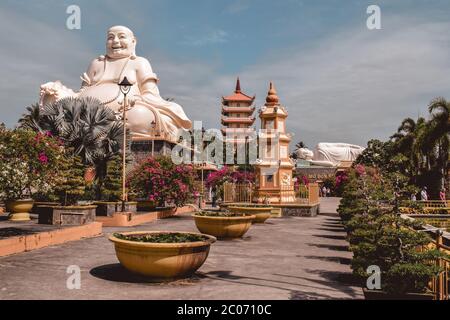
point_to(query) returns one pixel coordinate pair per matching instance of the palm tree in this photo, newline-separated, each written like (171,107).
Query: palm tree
(404,141)
(31,120)
(84,125)
(92,130)
(439,131)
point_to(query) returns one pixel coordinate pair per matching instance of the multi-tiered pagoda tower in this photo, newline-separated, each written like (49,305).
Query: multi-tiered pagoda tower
(274,168)
(237,117)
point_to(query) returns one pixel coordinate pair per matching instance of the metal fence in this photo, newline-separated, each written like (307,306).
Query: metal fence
(236,192)
(440,284)
(308,195)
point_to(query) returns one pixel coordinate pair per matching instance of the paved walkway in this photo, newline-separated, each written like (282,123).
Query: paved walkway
(288,258)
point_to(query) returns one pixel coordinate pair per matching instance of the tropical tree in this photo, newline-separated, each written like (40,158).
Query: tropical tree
(419,149)
(32,119)
(439,130)
(85,126)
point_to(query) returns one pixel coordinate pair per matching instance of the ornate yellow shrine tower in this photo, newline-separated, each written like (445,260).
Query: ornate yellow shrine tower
(274,166)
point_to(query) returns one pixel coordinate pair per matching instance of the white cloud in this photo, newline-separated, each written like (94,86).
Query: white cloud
(33,53)
(237,6)
(350,87)
(212,37)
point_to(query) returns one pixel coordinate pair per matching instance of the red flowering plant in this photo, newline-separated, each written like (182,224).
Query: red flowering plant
(226,174)
(30,163)
(160,180)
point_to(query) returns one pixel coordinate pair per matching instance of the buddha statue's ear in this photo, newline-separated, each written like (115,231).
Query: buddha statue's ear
(133,54)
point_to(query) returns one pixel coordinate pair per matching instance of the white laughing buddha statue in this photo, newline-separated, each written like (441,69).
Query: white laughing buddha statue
(150,113)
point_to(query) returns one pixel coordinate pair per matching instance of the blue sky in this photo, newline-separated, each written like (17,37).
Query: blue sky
(339,81)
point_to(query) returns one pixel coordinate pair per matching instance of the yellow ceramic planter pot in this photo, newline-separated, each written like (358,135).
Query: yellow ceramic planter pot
(224,227)
(162,260)
(261,213)
(19,210)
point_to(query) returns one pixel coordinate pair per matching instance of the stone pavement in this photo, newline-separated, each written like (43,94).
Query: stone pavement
(287,258)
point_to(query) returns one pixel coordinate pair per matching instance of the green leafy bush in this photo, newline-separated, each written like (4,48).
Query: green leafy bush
(30,163)
(379,236)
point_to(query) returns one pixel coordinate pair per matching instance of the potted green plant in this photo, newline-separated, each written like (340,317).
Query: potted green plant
(111,190)
(379,236)
(162,255)
(223,225)
(70,190)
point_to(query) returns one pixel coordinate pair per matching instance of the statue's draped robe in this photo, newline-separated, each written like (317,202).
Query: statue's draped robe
(144,96)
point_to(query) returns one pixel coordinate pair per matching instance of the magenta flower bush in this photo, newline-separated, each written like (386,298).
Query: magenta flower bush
(30,163)
(226,174)
(160,180)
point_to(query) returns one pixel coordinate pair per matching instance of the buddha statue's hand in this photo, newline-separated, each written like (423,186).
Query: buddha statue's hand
(53,91)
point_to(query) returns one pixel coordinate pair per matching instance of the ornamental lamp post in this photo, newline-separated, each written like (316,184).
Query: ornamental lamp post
(125,87)
(153,124)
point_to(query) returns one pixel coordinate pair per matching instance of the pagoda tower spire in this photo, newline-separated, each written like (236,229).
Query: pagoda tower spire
(238,86)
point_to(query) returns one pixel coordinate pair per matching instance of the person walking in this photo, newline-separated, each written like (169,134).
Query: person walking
(324,191)
(442,195)
(214,197)
(413,197)
(424,194)
(328,192)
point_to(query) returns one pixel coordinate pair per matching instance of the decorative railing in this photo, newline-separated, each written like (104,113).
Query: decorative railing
(440,284)
(434,204)
(425,207)
(235,192)
(307,195)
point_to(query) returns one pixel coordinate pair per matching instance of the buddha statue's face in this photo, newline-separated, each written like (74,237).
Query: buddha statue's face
(120,43)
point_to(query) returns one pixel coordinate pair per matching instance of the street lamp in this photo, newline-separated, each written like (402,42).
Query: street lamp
(125,87)
(153,124)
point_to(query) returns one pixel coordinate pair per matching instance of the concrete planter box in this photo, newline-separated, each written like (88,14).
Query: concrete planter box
(146,205)
(67,216)
(38,205)
(107,209)
(300,210)
(161,261)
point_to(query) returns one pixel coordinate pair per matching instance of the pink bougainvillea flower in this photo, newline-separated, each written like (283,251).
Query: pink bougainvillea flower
(360,169)
(43,158)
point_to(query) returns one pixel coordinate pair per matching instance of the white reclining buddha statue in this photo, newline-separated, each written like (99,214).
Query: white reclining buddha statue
(150,113)
(330,154)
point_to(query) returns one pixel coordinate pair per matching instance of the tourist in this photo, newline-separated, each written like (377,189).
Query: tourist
(214,197)
(328,192)
(413,197)
(324,191)
(424,194)
(442,195)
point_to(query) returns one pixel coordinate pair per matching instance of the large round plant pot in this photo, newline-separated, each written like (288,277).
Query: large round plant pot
(224,227)
(261,213)
(19,210)
(162,261)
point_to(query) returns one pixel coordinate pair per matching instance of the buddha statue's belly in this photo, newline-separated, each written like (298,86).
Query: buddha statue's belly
(108,93)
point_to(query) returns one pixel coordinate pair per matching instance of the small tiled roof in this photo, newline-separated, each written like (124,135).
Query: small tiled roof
(238,96)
